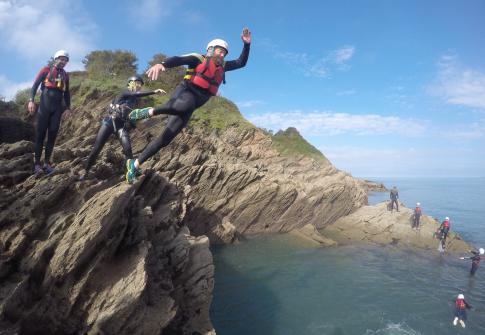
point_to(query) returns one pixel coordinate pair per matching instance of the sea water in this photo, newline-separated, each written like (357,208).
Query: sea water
(276,284)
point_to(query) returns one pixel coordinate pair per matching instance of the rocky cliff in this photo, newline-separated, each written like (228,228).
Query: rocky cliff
(101,256)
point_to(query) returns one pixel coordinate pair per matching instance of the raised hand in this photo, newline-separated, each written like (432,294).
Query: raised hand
(160,91)
(246,36)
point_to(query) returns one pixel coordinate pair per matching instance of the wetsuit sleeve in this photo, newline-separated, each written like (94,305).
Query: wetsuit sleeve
(140,94)
(467,305)
(189,60)
(38,80)
(67,94)
(241,61)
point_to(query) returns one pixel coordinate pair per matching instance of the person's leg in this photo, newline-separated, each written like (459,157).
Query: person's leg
(125,141)
(54,122)
(473,269)
(41,130)
(104,132)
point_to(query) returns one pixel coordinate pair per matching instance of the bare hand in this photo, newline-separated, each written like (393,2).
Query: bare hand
(154,71)
(31,108)
(160,91)
(67,114)
(246,36)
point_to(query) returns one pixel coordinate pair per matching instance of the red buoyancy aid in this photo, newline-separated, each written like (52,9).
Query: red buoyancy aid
(460,304)
(446,224)
(208,75)
(417,210)
(56,78)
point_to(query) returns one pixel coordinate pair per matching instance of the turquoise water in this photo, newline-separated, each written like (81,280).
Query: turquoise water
(276,285)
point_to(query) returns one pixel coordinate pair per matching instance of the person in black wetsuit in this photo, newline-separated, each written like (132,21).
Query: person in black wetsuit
(117,121)
(475,258)
(203,76)
(54,83)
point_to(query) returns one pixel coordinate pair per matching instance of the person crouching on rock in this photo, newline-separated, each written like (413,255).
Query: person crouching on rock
(476,258)
(443,231)
(204,75)
(117,122)
(394,195)
(54,84)
(417,216)
(460,310)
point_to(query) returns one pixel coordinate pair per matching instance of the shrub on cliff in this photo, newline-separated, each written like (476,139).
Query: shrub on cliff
(104,64)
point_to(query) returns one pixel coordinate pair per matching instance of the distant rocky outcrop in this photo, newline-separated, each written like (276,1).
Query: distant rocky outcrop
(377,225)
(373,186)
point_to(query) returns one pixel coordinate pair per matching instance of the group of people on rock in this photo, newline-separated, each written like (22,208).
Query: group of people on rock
(442,233)
(204,74)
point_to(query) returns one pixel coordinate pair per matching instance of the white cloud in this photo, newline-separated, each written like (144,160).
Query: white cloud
(8,89)
(312,65)
(249,103)
(36,29)
(150,12)
(330,123)
(459,85)
(426,161)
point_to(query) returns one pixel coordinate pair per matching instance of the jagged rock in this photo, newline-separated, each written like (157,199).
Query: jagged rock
(376,224)
(311,234)
(13,130)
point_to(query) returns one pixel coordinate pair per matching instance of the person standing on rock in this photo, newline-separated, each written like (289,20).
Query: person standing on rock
(117,122)
(476,258)
(54,83)
(443,231)
(203,77)
(460,310)
(394,195)
(417,216)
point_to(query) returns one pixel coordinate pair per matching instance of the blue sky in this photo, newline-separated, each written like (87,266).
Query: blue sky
(382,88)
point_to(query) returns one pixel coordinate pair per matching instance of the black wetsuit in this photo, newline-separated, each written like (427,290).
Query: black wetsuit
(394,195)
(117,123)
(476,258)
(50,111)
(184,101)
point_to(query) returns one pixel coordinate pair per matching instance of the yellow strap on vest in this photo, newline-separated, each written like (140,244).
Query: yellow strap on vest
(190,72)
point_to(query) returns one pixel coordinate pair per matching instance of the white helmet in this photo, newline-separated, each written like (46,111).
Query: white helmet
(481,251)
(461,296)
(447,219)
(418,204)
(61,53)
(218,43)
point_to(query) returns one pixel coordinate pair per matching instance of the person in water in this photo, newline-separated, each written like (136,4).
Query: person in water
(117,122)
(54,85)
(394,195)
(460,310)
(204,75)
(417,216)
(475,258)
(443,231)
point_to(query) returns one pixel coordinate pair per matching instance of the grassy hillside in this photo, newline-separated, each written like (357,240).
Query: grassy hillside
(291,143)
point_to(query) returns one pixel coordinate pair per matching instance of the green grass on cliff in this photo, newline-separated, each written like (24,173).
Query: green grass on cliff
(291,143)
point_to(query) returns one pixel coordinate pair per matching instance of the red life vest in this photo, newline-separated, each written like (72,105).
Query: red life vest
(417,210)
(446,224)
(56,78)
(460,304)
(208,75)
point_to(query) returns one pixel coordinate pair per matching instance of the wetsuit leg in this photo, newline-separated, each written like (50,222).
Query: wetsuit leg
(104,132)
(181,102)
(125,141)
(474,269)
(54,122)
(174,126)
(42,125)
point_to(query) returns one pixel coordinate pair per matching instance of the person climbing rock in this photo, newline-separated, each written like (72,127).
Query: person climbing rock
(394,195)
(204,75)
(475,258)
(117,122)
(54,83)
(460,310)
(417,216)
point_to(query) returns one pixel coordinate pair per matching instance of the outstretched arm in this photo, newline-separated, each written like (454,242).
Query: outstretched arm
(190,60)
(243,58)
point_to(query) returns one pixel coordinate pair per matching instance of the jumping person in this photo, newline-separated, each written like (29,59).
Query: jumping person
(54,83)
(417,216)
(117,122)
(203,77)
(460,310)
(475,258)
